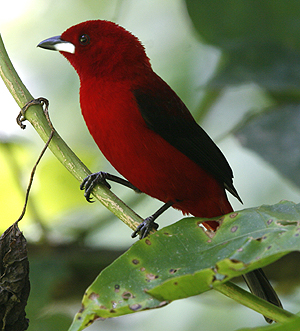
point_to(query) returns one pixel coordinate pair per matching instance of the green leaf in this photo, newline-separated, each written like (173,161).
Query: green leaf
(275,136)
(260,41)
(182,260)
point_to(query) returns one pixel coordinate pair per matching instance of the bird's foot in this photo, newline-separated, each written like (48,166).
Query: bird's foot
(91,181)
(144,228)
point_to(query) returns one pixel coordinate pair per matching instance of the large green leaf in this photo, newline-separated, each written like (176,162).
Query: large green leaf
(222,22)
(275,136)
(260,41)
(182,260)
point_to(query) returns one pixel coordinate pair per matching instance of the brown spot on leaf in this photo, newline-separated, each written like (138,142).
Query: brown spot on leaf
(117,288)
(172,271)
(163,303)
(112,311)
(135,307)
(93,296)
(269,221)
(209,233)
(135,261)
(97,318)
(148,242)
(234,228)
(151,276)
(233,215)
(127,295)
(175,283)
(143,269)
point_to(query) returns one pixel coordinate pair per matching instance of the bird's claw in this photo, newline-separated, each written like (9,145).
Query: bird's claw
(144,228)
(91,181)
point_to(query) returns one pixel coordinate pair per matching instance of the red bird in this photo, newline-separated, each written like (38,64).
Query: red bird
(144,129)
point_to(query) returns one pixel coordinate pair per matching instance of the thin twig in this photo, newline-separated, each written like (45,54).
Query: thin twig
(20,119)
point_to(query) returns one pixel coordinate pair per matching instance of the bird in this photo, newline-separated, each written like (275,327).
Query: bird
(146,132)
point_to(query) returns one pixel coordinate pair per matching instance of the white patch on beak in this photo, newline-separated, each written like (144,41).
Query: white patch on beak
(65,47)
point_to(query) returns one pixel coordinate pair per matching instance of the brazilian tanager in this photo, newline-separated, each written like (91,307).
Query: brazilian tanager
(145,131)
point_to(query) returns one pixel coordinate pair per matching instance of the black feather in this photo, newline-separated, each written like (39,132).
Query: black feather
(173,122)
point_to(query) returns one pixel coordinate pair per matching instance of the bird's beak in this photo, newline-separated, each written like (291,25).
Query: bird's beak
(57,44)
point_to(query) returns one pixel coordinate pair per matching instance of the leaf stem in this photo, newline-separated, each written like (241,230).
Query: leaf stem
(253,302)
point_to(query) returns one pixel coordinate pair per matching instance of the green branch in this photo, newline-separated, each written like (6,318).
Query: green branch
(35,115)
(253,302)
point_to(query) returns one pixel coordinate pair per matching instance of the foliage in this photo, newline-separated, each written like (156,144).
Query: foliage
(260,43)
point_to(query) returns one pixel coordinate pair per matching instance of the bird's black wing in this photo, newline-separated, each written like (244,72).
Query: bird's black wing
(165,114)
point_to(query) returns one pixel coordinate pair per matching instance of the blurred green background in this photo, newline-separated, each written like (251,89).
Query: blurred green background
(236,65)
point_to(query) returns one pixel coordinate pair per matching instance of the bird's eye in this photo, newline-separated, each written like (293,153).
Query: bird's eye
(84,39)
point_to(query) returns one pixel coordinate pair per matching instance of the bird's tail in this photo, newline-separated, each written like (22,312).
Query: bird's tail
(259,285)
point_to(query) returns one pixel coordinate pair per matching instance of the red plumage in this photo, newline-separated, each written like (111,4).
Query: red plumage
(111,67)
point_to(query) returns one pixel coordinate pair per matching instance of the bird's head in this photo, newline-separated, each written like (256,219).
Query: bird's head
(100,48)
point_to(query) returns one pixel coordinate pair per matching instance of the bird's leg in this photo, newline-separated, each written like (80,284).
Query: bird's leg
(101,177)
(148,224)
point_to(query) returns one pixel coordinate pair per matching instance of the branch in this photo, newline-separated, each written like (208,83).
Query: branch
(35,115)
(253,302)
